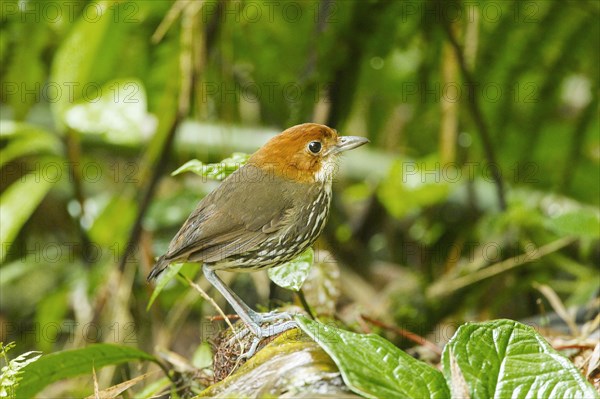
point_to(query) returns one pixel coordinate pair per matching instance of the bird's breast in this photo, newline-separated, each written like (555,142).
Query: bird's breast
(309,221)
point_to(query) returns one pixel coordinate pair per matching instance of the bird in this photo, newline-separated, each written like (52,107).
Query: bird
(263,215)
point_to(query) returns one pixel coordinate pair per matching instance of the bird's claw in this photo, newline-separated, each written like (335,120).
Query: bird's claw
(264,332)
(252,350)
(271,316)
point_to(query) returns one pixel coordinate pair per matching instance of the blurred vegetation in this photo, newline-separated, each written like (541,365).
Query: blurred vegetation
(480,184)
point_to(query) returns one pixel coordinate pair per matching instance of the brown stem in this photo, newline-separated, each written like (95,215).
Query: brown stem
(406,334)
(576,346)
(190,73)
(477,114)
(305,304)
(157,172)
(447,286)
(73,149)
(577,140)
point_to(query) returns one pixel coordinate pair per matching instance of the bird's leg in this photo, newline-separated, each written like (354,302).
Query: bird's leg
(271,316)
(251,319)
(245,313)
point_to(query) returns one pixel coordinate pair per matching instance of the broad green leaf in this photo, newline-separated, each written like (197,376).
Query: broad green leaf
(60,365)
(507,359)
(194,166)
(292,274)
(25,72)
(25,139)
(322,286)
(155,388)
(17,203)
(373,367)
(217,171)
(120,113)
(203,356)
(77,56)
(579,223)
(165,277)
(50,312)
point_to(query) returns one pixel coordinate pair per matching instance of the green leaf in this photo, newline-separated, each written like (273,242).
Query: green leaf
(322,286)
(291,275)
(155,388)
(25,69)
(11,373)
(579,223)
(71,363)
(50,312)
(77,57)
(373,367)
(120,113)
(17,203)
(203,356)
(163,279)
(217,171)
(25,139)
(507,359)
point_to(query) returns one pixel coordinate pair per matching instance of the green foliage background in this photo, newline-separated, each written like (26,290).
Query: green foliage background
(101,101)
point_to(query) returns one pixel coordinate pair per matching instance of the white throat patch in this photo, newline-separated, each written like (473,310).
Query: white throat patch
(327,171)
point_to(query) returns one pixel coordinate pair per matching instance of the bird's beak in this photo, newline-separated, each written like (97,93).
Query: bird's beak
(346,143)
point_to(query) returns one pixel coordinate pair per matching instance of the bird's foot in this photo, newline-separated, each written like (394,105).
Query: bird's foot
(274,315)
(265,332)
(260,332)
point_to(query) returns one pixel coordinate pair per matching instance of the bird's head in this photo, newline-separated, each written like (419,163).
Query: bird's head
(306,153)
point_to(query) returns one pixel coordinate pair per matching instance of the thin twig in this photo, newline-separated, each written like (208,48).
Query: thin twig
(207,297)
(575,346)
(168,20)
(96,388)
(445,287)
(219,317)
(558,307)
(406,334)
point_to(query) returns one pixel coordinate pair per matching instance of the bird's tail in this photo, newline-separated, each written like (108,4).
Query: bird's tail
(158,268)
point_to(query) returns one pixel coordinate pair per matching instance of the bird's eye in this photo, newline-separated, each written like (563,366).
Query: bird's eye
(314,147)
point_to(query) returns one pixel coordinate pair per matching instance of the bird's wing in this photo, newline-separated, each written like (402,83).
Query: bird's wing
(232,219)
